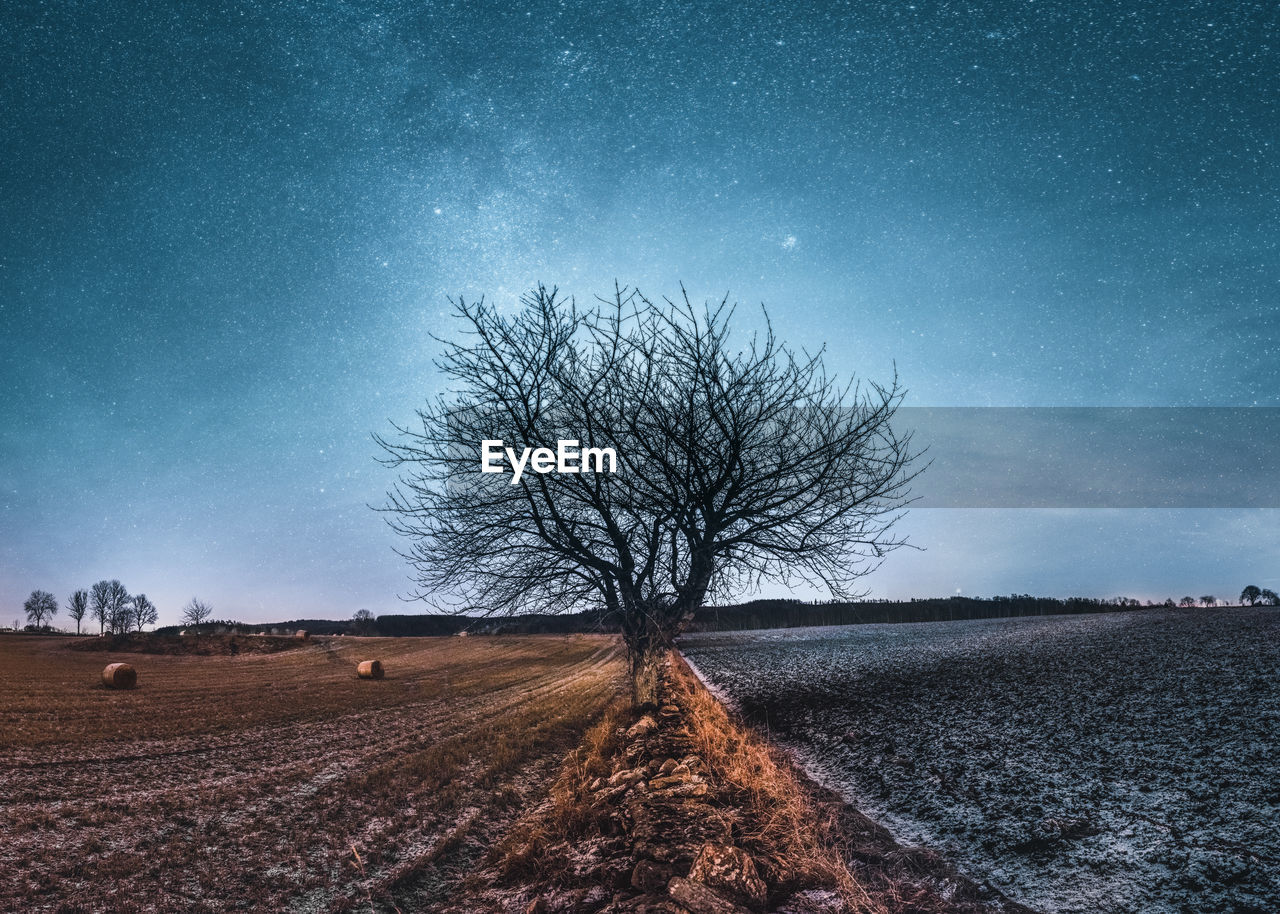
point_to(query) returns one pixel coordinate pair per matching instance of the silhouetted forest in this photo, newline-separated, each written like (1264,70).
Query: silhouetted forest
(794,613)
(755,614)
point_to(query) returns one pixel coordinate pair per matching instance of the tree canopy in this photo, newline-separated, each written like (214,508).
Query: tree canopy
(40,608)
(736,465)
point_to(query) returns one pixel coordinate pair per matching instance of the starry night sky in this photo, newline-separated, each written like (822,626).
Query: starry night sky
(229,231)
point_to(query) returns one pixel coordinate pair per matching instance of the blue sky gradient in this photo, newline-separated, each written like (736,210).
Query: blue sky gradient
(230,231)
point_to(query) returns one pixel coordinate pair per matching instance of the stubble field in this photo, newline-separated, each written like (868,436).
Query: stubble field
(279,781)
(1127,762)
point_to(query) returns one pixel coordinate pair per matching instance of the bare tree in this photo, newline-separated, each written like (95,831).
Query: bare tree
(362,622)
(1268,597)
(735,465)
(1208,600)
(144,612)
(119,608)
(77,606)
(1250,595)
(40,608)
(100,597)
(196,612)
(1187,601)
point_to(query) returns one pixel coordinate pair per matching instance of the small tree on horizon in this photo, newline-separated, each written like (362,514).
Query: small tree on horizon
(1268,597)
(98,604)
(736,465)
(196,612)
(1250,595)
(1208,600)
(77,606)
(108,602)
(119,608)
(40,608)
(1187,601)
(144,612)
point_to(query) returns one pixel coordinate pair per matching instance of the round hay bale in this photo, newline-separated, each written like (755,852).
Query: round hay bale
(370,669)
(119,676)
(302,635)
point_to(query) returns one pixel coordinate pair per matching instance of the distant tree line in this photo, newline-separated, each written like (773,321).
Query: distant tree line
(118,612)
(236,627)
(780,613)
(428,624)
(795,613)
(365,622)
(107,602)
(110,604)
(1256,596)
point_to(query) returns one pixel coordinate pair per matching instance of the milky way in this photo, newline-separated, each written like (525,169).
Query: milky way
(230,232)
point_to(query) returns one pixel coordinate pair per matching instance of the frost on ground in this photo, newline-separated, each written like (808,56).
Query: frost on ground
(1127,762)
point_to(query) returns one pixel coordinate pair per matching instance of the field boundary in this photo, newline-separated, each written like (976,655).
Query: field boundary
(688,809)
(896,877)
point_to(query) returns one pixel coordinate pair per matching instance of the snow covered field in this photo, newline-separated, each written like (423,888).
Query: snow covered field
(1127,762)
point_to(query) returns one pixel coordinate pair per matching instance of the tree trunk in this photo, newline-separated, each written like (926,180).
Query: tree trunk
(649,631)
(646,671)
(644,632)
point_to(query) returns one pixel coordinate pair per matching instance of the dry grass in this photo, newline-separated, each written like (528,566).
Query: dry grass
(795,839)
(796,842)
(247,781)
(802,835)
(594,758)
(533,850)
